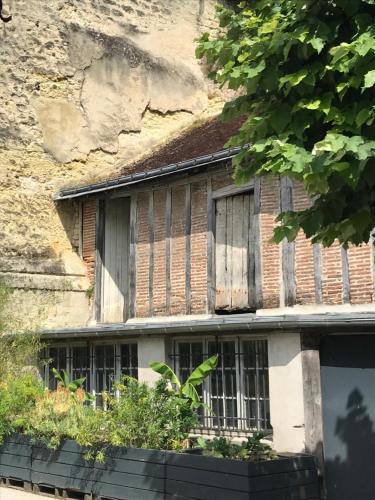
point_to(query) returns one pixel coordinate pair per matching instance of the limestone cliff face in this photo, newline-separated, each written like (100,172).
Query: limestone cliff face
(87,86)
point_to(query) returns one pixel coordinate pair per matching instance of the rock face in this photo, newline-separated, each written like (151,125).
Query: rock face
(86,87)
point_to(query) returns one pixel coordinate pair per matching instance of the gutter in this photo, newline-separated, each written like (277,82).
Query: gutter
(137,178)
(315,323)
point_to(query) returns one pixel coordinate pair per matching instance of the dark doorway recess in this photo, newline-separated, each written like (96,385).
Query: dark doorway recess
(348,391)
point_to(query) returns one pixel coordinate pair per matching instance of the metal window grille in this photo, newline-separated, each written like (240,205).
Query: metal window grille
(100,364)
(237,391)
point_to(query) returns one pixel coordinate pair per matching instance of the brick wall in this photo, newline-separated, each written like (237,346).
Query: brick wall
(304,256)
(142,256)
(88,235)
(271,266)
(199,248)
(178,253)
(360,274)
(151,287)
(159,289)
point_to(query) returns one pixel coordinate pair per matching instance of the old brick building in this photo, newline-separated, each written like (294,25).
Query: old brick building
(182,266)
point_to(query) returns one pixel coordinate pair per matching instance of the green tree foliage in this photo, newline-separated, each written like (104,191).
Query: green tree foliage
(305,71)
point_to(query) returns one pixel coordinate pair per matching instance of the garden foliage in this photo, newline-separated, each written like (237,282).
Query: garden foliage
(305,70)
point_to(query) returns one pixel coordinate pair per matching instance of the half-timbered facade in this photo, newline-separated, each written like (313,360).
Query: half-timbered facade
(182,266)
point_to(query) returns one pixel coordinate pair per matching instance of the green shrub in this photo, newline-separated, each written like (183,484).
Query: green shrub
(150,417)
(18,396)
(254,449)
(57,415)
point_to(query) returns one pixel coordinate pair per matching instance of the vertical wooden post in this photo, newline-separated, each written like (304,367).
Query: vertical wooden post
(151,253)
(210,249)
(312,395)
(168,227)
(99,256)
(318,273)
(345,275)
(188,248)
(288,248)
(257,244)
(132,256)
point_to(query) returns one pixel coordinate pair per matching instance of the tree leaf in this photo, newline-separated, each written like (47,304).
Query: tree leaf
(369,79)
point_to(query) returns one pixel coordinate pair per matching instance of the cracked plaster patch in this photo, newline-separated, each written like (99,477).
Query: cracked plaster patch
(121,81)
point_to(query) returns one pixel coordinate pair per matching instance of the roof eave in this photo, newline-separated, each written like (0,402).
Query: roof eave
(140,177)
(322,323)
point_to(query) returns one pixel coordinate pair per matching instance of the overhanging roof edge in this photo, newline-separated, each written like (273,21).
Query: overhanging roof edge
(140,177)
(324,322)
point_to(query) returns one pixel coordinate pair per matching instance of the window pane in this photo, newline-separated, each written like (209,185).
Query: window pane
(223,383)
(81,365)
(256,389)
(129,360)
(58,358)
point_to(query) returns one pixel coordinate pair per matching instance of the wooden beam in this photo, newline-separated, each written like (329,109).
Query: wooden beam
(312,396)
(288,248)
(151,262)
(188,248)
(232,190)
(168,226)
(80,227)
(345,275)
(210,248)
(318,273)
(257,245)
(251,276)
(99,256)
(133,256)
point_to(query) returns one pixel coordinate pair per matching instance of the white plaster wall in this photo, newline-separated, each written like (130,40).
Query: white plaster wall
(286,392)
(150,349)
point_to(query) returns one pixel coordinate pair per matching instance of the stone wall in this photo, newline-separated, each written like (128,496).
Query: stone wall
(86,87)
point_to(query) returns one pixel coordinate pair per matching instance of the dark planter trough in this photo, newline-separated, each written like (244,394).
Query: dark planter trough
(138,474)
(207,478)
(15,458)
(64,468)
(131,473)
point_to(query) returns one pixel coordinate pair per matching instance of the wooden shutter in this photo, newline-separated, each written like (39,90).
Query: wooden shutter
(115,267)
(235,270)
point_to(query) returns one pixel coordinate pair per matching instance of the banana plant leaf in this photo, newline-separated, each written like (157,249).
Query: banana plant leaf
(165,371)
(202,371)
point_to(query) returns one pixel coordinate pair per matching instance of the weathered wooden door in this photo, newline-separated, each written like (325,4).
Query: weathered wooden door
(234,253)
(115,261)
(348,392)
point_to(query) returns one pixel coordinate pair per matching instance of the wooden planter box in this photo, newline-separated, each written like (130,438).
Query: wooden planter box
(131,473)
(138,474)
(207,478)
(15,458)
(65,468)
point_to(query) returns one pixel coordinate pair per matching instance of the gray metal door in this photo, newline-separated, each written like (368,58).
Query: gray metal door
(348,391)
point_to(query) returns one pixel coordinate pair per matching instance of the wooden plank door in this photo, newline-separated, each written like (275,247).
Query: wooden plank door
(234,253)
(115,267)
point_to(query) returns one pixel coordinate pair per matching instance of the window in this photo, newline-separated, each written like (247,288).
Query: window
(235,254)
(100,364)
(237,391)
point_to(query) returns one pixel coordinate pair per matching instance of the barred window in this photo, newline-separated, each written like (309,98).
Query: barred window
(100,364)
(237,391)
